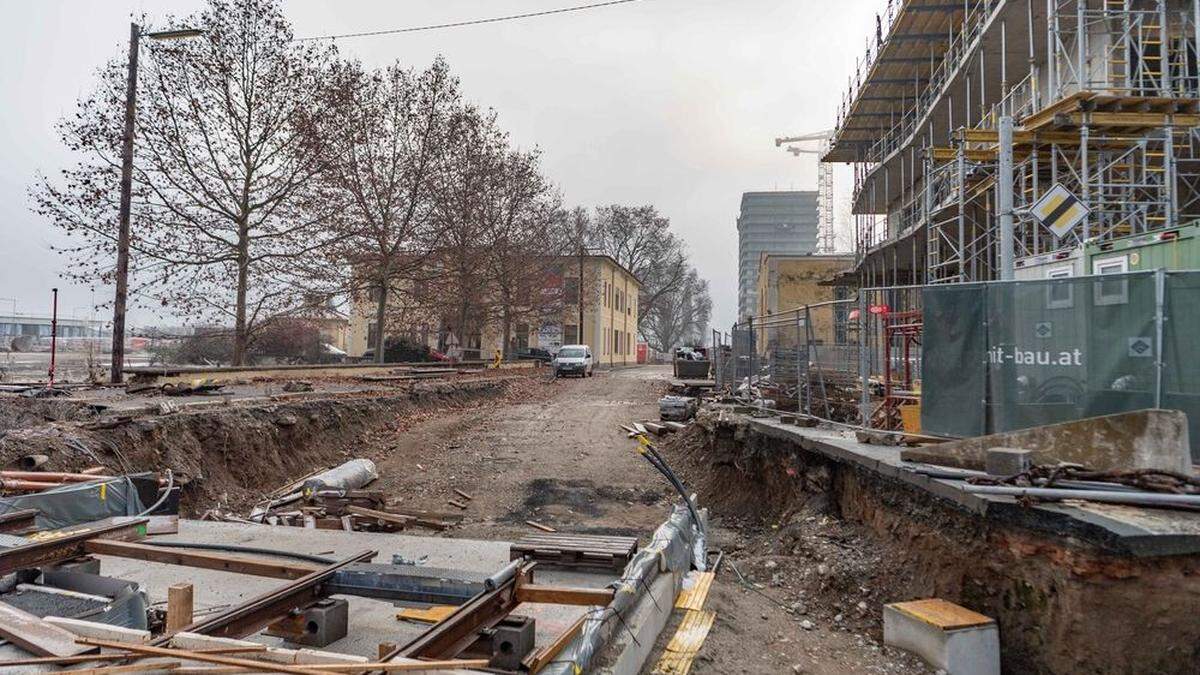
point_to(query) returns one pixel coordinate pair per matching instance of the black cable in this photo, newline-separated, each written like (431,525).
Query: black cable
(472,22)
(243,549)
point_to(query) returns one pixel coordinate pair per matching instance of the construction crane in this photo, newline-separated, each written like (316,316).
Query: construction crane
(825,238)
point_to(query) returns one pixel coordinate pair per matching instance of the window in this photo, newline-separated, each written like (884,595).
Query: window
(571,291)
(571,334)
(1112,291)
(616,341)
(1059,294)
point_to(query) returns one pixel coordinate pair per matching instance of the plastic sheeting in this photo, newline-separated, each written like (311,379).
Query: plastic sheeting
(1015,355)
(352,475)
(76,503)
(677,546)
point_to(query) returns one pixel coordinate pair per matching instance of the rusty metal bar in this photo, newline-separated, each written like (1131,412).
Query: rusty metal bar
(59,545)
(452,635)
(257,613)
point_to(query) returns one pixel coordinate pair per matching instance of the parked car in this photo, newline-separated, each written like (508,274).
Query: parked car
(535,354)
(573,360)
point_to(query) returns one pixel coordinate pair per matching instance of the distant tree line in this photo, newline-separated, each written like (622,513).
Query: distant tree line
(271,175)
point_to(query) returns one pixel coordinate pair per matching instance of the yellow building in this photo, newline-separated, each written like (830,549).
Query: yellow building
(609,310)
(788,281)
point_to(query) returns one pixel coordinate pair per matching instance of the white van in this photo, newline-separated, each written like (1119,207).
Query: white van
(573,360)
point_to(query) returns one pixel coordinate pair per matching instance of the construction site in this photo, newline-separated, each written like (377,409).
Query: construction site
(970,445)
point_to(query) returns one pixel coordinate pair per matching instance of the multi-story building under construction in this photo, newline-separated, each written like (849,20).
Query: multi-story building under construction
(1103,101)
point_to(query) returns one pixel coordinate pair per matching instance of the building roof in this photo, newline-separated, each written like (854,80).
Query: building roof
(916,37)
(609,258)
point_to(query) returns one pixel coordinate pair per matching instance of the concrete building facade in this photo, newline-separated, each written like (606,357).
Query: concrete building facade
(781,222)
(608,305)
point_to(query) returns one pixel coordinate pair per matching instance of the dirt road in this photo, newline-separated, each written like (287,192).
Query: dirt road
(560,460)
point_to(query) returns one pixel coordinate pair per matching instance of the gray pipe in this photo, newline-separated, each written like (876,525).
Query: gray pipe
(508,572)
(1109,496)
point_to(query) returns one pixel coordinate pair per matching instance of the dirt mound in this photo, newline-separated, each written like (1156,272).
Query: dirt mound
(744,479)
(18,412)
(227,456)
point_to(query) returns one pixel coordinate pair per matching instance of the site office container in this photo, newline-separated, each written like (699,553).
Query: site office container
(1174,249)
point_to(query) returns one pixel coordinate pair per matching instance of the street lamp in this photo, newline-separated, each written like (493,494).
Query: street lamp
(118,336)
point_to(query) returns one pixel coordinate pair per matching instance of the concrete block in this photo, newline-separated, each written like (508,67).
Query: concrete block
(318,625)
(1142,439)
(947,636)
(1007,461)
(99,631)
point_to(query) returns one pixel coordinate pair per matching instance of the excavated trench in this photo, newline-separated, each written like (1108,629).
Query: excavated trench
(1062,605)
(227,456)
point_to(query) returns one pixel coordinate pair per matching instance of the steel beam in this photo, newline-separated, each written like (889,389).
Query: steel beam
(456,632)
(71,544)
(259,612)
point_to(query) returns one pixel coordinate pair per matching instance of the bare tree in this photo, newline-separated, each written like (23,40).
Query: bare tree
(457,285)
(383,137)
(225,208)
(640,239)
(524,237)
(680,316)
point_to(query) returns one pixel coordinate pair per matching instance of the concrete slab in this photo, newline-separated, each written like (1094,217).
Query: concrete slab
(371,621)
(1126,530)
(1142,439)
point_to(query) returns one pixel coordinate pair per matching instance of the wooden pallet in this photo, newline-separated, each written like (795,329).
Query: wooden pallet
(576,550)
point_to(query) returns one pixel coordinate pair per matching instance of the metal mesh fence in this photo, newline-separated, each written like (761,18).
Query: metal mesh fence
(805,359)
(1013,355)
(977,358)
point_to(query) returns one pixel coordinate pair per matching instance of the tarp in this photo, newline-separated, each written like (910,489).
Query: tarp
(1001,356)
(81,502)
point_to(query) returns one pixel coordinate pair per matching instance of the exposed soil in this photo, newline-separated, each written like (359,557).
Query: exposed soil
(227,455)
(559,460)
(799,590)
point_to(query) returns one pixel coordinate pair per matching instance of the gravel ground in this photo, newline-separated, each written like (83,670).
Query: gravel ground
(554,454)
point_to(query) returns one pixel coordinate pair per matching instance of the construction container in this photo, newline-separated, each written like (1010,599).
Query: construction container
(1174,249)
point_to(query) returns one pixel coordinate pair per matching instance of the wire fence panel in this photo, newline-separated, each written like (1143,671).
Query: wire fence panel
(1014,355)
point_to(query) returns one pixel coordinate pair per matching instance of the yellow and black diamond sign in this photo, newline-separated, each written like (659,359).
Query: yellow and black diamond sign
(1059,210)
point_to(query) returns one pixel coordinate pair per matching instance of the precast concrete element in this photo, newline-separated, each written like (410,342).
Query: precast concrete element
(949,637)
(1142,439)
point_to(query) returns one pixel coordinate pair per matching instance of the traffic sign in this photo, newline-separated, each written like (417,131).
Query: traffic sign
(1059,210)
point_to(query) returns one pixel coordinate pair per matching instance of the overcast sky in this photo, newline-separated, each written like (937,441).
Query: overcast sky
(669,102)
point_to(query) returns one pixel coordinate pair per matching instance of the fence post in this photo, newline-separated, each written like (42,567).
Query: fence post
(864,405)
(750,375)
(1160,286)
(801,366)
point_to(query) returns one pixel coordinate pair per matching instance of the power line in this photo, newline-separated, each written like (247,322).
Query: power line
(472,22)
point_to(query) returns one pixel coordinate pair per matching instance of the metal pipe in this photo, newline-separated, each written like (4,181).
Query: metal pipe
(507,572)
(1107,496)
(1004,197)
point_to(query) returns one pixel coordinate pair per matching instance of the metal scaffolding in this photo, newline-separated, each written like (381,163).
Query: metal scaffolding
(1106,103)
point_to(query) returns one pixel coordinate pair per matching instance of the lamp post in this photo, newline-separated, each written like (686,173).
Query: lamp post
(122,281)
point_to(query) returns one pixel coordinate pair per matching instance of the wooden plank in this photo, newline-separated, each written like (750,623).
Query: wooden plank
(385,516)
(564,595)
(127,668)
(540,657)
(179,607)
(432,614)
(695,590)
(456,503)
(54,546)
(464,495)
(203,559)
(543,528)
(259,666)
(36,636)
(88,658)
(942,614)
